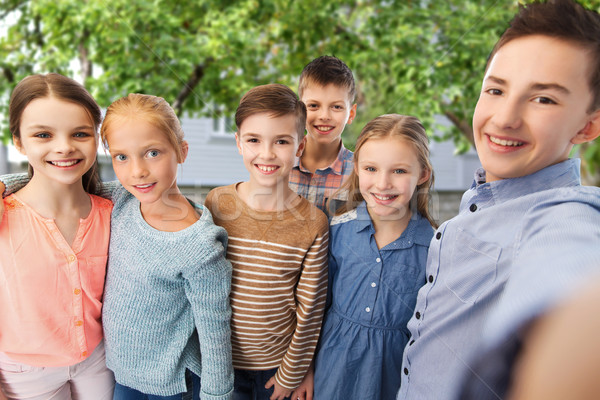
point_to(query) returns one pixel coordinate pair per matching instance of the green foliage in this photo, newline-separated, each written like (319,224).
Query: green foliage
(420,57)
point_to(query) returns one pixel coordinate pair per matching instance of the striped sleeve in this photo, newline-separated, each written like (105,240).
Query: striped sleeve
(311,294)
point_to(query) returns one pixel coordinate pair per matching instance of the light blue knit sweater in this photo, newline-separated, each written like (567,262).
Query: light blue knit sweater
(160,286)
(166,300)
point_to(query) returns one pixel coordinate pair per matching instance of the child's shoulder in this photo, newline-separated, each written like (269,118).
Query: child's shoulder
(101,202)
(346,217)
(310,212)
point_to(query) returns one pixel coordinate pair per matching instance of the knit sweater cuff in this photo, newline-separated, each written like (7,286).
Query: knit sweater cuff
(207,396)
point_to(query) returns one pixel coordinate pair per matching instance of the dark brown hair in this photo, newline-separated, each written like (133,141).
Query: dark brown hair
(405,128)
(60,87)
(152,109)
(274,99)
(565,20)
(327,70)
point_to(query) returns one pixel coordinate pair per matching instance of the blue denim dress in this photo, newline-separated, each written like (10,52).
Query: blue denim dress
(372,294)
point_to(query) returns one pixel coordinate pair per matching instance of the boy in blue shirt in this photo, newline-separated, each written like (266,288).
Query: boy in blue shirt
(527,233)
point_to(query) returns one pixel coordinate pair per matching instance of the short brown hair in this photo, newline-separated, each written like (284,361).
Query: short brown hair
(60,87)
(560,19)
(152,109)
(274,99)
(327,70)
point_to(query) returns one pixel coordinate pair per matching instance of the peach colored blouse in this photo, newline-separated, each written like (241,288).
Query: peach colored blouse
(50,291)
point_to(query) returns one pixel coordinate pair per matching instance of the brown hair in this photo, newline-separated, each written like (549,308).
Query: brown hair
(276,100)
(565,20)
(152,109)
(327,70)
(402,127)
(60,87)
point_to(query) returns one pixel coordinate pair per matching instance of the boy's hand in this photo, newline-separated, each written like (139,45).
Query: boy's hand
(279,392)
(306,388)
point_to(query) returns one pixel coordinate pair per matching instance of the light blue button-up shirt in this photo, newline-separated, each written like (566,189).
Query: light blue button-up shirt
(536,235)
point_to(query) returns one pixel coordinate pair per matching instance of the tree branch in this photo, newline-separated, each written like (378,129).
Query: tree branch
(192,82)
(462,125)
(86,64)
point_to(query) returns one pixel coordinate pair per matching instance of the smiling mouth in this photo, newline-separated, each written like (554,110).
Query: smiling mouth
(68,163)
(385,198)
(324,128)
(507,143)
(145,186)
(267,168)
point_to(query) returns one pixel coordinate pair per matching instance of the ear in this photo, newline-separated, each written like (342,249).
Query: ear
(352,114)
(185,147)
(238,144)
(425,175)
(301,146)
(18,145)
(590,131)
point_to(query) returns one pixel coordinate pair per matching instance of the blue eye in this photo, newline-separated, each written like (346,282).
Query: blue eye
(120,157)
(42,135)
(399,171)
(370,169)
(81,134)
(153,153)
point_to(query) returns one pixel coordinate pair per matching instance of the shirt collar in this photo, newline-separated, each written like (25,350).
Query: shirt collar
(418,231)
(563,174)
(337,166)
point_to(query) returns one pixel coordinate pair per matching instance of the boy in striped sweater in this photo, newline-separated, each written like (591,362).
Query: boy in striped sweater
(278,248)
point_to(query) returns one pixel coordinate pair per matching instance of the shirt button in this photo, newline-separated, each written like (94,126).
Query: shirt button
(438,235)
(78,323)
(378,259)
(373,284)
(473,207)
(84,354)
(430,278)
(405,371)
(71,258)
(368,309)
(77,291)
(418,315)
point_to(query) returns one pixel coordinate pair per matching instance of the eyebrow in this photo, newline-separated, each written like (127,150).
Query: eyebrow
(535,86)
(49,128)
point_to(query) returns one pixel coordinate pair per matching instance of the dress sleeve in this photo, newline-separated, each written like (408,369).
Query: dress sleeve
(207,287)
(311,294)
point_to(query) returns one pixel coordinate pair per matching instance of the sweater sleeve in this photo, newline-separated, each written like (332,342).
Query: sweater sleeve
(311,294)
(207,287)
(14,182)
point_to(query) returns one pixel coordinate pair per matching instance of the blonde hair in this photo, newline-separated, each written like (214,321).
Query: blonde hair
(152,109)
(403,127)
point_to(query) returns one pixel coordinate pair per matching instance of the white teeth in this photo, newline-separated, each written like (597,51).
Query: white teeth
(144,186)
(324,128)
(266,168)
(384,198)
(503,142)
(64,163)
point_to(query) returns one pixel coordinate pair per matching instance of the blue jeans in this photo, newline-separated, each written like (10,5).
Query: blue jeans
(193,391)
(250,385)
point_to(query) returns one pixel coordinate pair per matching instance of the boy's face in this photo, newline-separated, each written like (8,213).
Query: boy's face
(269,146)
(328,111)
(533,106)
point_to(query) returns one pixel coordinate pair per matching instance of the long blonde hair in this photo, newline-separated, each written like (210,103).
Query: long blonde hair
(403,127)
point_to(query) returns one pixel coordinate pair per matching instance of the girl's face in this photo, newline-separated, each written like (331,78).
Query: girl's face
(388,173)
(144,160)
(59,140)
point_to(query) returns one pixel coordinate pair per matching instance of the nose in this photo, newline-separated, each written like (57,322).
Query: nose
(324,113)
(266,151)
(383,181)
(64,145)
(508,114)
(138,169)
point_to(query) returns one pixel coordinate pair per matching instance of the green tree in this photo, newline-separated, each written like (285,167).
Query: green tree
(419,57)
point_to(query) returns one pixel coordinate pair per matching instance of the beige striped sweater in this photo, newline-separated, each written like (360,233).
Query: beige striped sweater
(279,283)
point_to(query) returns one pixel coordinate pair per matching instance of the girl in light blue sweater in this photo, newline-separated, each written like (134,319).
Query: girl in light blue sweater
(166,305)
